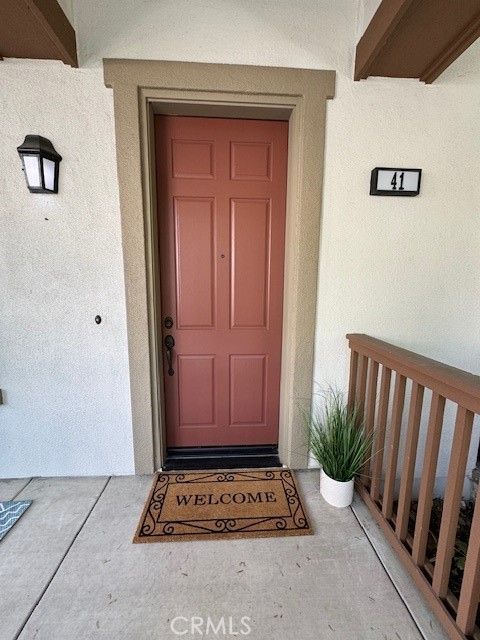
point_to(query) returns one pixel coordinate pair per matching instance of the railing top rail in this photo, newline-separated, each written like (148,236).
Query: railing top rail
(454,384)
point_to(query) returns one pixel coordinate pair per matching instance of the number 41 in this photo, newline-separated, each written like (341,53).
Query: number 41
(394,182)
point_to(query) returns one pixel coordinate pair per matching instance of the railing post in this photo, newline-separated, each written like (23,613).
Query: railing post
(406,483)
(452,499)
(352,381)
(377,462)
(427,482)
(370,404)
(397,412)
(361,385)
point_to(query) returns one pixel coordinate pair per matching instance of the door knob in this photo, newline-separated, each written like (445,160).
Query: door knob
(169,343)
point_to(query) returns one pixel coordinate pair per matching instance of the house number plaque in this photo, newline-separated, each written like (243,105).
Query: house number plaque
(395,182)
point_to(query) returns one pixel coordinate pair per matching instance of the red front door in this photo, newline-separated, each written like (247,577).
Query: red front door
(221,187)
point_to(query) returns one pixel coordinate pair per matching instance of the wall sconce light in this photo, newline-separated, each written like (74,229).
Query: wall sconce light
(40,164)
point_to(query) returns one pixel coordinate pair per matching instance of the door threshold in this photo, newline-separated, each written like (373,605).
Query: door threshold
(239,457)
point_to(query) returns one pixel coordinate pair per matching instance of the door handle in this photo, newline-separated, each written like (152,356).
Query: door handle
(169,343)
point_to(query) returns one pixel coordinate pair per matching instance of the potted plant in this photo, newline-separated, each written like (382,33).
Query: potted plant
(341,445)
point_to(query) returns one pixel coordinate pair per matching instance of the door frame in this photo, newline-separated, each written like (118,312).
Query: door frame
(142,88)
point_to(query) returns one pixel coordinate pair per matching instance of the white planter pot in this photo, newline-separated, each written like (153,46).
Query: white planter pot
(336,493)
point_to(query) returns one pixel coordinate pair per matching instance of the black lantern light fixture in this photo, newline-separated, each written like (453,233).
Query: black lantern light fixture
(40,164)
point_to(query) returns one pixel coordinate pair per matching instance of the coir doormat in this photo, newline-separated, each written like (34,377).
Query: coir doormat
(231,504)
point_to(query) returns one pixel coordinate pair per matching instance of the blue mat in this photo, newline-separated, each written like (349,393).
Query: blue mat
(10,512)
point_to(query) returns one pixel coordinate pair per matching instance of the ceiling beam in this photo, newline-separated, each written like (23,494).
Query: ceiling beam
(381,27)
(36,29)
(452,51)
(416,38)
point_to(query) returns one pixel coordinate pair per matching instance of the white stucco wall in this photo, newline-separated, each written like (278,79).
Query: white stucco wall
(405,270)
(64,378)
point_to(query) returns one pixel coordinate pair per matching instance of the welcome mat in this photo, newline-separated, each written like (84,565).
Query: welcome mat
(10,512)
(230,504)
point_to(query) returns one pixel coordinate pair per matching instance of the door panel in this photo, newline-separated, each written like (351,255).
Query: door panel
(194,262)
(250,262)
(221,188)
(250,161)
(192,159)
(247,390)
(197,374)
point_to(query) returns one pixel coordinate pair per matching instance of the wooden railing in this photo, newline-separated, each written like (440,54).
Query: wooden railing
(369,358)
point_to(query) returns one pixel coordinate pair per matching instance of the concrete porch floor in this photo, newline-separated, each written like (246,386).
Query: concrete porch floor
(69,570)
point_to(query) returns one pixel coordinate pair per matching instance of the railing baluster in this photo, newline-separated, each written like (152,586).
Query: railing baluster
(361,384)
(381,427)
(352,381)
(451,503)
(411,444)
(470,591)
(370,403)
(424,508)
(396,425)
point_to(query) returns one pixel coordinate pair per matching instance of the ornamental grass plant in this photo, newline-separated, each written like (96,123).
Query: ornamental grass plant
(339,441)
